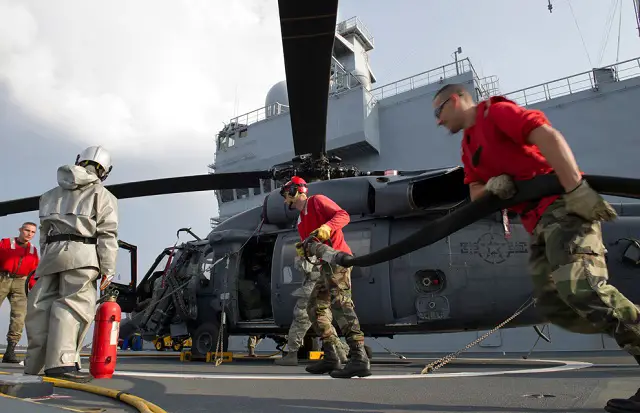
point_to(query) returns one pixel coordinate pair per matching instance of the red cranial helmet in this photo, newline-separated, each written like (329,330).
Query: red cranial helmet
(294,187)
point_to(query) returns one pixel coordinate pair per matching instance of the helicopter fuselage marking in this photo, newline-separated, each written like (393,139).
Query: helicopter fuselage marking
(494,248)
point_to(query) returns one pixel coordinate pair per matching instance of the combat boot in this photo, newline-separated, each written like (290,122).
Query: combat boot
(70,373)
(10,353)
(328,362)
(358,364)
(342,350)
(291,359)
(632,404)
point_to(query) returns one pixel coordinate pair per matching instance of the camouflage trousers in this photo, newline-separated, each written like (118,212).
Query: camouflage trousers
(301,320)
(14,290)
(331,297)
(570,277)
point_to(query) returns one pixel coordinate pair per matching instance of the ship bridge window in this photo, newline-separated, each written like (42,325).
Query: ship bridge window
(266,185)
(242,193)
(226,195)
(225,142)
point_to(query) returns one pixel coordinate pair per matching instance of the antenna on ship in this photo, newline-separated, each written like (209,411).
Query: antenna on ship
(636,7)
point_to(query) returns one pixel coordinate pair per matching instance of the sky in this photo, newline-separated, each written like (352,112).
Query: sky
(154,82)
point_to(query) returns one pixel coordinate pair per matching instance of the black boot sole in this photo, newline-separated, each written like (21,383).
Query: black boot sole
(622,406)
(324,369)
(340,374)
(70,377)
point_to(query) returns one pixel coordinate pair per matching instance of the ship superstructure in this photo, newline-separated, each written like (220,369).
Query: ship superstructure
(392,127)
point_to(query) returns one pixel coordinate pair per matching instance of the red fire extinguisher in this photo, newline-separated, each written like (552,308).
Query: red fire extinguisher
(104,347)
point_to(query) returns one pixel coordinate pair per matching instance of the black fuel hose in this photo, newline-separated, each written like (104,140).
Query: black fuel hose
(536,188)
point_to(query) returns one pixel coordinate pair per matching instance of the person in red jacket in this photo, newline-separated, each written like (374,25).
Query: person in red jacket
(331,295)
(18,257)
(502,143)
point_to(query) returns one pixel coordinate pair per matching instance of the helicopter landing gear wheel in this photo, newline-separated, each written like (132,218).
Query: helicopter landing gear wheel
(205,340)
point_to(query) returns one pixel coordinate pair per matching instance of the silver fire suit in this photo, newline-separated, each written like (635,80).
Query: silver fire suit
(78,243)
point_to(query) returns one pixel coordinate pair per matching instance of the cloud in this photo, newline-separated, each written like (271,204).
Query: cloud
(140,77)
(152,81)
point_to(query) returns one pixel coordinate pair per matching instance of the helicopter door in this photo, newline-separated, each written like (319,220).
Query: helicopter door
(370,285)
(126,292)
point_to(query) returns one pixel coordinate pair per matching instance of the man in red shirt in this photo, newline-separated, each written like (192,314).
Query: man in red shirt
(331,295)
(502,143)
(18,257)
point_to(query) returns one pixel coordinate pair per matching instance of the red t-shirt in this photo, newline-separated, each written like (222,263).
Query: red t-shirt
(322,210)
(496,145)
(16,259)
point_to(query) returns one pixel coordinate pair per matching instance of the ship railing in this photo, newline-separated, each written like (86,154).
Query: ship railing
(352,22)
(340,81)
(425,78)
(575,83)
(260,114)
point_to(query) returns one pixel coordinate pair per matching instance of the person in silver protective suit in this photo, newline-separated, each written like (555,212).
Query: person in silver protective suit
(79,247)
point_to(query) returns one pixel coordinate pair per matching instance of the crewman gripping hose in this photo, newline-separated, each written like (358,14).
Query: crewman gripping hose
(328,290)
(503,146)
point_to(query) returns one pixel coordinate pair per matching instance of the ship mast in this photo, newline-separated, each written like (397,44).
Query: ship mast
(636,8)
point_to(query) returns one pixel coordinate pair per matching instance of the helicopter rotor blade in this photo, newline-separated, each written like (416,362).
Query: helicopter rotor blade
(162,186)
(308,32)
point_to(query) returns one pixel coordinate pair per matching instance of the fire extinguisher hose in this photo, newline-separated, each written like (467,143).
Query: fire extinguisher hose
(143,406)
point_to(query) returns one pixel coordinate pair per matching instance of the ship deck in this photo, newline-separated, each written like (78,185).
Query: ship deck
(544,382)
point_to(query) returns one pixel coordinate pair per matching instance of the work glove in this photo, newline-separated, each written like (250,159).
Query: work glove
(105,280)
(588,204)
(502,186)
(300,249)
(323,233)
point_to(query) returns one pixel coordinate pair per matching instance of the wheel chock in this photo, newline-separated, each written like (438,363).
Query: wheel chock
(185,355)
(227,356)
(316,355)
(24,386)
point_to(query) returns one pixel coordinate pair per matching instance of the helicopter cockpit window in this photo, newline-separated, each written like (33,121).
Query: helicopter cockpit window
(162,264)
(207,266)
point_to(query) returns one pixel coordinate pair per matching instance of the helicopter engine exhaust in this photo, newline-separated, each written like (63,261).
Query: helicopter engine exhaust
(530,190)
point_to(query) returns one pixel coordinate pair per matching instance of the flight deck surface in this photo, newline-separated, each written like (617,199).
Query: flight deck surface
(560,382)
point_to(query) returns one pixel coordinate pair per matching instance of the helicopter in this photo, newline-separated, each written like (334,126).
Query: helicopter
(425,258)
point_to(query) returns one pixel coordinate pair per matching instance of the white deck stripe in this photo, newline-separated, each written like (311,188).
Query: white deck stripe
(567,365)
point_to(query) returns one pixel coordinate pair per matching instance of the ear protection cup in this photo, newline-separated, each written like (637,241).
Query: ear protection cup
(294,187)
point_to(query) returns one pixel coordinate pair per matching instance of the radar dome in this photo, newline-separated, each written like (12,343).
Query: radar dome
(277,94)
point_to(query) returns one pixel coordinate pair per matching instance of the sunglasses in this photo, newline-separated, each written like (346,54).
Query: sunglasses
(438,111)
